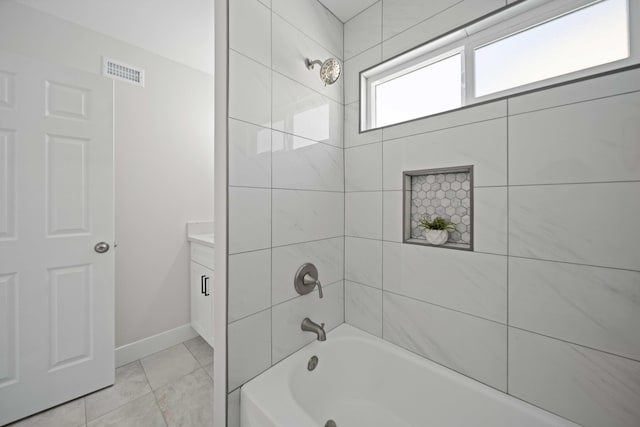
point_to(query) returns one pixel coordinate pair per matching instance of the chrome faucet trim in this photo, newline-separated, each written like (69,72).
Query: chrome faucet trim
(309,325)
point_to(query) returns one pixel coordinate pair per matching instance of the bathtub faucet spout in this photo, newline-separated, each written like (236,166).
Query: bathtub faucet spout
(309,325)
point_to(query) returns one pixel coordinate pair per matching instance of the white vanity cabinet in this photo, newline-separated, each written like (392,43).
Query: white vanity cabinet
(202,271)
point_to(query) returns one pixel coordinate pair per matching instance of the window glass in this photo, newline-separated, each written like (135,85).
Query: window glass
(594,35)
(428,90)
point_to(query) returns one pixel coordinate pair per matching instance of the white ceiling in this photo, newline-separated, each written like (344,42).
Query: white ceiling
(347,9)
(178,30)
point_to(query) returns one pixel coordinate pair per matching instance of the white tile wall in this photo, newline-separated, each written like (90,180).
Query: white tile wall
(287,317)
(327,255)
(467,344)
(300,163)
(586,142)
(364,214)
(312,18)
(592,388)
(352,135)
(352,69)
(363,261)
(565,223)
(490,217)
(290,48)
(362,167)
(249,90)
(249,348)
(363,31)
(304,112)
(249,155)
(250,29)
(399,15)
(249,219)
(392,216)
(483,145)
(302,216)
(250,274)
(591,306)
(363,307)
(471,282)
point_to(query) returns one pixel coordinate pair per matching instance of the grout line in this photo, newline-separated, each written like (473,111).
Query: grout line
(271,219)
(508,220)
(286,245)
(235,119)
(285,189)
(344,185)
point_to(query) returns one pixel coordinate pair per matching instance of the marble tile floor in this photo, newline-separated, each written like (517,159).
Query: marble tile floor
(173,387)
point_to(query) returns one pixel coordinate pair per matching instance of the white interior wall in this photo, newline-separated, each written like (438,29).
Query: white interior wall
(163,162)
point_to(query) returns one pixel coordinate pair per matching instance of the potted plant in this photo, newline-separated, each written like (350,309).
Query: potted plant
(436,231)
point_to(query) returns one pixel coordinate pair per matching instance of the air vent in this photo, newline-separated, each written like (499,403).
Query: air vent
(120,71)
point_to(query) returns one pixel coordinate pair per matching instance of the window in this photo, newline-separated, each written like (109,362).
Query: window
(530,45)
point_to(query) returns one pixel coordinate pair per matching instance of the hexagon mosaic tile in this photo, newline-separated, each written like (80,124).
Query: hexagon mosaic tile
(445,195)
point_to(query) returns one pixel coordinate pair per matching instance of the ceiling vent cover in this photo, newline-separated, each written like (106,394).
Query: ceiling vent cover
(121,71)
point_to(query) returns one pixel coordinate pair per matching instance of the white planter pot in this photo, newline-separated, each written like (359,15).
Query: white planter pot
(436,237)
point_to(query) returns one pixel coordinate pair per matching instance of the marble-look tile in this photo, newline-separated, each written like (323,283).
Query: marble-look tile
(399,15)
(352,69)
(201,350)
(490,220)
(470,282)
(392,203)
(564,223)
(363,31)
(483,145)
(287,317)
(363,261)
(249,90)
(209,369)
(465,116)
(363,168)
(290,48)
(301,111)
(352,135)
(591,388)
(168,365)
(250,29)
(301,216)
(187,401)
(327,255)
(233,409)
(266,3)
(131,383)
(432,19)
(608,85)
(304,164)
(249,284)
(249,219)
(591,306)
(316,21)
(70,414)
(472,346)
(363,307)
(593,141)
(249,155)
(364,214)
(249,348)
(142,412)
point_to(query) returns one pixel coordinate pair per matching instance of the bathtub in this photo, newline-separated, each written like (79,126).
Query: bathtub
(361,380)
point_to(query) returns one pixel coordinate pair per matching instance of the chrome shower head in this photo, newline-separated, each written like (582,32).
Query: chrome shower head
(330,69)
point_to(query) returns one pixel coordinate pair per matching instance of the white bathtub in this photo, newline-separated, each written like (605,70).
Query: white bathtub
(363,381)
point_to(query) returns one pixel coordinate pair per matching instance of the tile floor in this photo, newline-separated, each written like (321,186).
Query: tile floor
(173,387)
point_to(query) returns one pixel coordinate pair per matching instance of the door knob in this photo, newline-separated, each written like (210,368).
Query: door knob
(101,247)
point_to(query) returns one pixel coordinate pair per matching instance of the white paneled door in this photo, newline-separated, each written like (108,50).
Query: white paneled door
(56,204)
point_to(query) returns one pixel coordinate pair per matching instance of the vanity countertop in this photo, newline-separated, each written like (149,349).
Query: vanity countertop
(201,232)
(205,239)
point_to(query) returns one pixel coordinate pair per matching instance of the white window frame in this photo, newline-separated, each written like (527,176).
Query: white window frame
(507,22)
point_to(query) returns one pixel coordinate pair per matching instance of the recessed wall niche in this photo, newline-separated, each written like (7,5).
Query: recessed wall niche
(442,192)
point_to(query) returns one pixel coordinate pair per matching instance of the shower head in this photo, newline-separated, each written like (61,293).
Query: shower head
(330,69)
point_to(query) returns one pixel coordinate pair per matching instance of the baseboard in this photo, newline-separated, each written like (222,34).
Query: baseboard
(137,350)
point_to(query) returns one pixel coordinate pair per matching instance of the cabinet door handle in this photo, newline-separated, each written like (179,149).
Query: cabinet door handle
(202,284)
(206,286)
